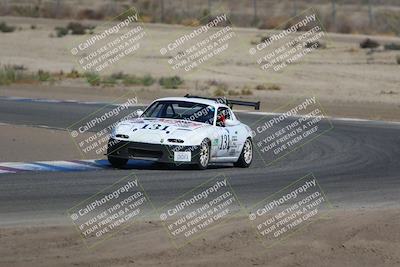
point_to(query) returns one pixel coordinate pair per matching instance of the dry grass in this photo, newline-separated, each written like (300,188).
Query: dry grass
(270,87)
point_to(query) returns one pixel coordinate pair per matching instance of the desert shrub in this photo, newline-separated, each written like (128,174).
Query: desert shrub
(233,92)
(392,46)
(246,91)
(92,78)
(219,92)
(131,80)
(18,67)
(43,76)
(274,87)
(369,43)
(128,13)
(263,87)
(73,74)
(33,27)
(6,28)
(398,59)
(148,80)
(316,44)
(209,18)
(7,75)
(109,81)
(265,39)
(352,50)
(26,10)
(223,86)
(147,18)
(17,74)
(119,75)
(190,22)
(170,82)
(77,28)
(212,82)
(61,31)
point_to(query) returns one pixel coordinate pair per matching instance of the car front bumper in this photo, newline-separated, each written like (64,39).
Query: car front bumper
(155,152)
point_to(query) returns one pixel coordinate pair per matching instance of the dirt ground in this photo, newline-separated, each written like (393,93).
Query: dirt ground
(363,237)
(348,81)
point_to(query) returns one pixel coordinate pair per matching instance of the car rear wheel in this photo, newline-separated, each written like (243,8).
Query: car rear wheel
(204,155)
(117,162)
(246,157)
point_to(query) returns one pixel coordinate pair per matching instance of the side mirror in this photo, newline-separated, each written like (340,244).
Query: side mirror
(229,122)
(139,112)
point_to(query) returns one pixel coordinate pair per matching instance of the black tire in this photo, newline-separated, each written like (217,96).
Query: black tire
(202,163)
(244,161)
(117,162)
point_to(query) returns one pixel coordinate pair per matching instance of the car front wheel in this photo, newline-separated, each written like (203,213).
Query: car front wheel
(246,157)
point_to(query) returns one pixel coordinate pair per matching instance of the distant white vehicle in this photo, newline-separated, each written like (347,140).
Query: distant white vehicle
(184,130)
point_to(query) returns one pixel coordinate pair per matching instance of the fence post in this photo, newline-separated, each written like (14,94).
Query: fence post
(255,10)
(162,10)
(295,7)
(6,7)
(57,9)
(334,14)
(370,15)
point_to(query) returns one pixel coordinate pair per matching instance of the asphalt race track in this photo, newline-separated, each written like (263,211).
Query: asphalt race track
(357,164)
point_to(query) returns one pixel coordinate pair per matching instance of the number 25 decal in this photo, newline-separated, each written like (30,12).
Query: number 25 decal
(224,142)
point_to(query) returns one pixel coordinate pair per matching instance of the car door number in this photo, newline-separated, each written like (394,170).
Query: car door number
(224,142)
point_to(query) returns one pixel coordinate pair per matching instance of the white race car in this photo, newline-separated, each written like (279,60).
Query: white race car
(184,130)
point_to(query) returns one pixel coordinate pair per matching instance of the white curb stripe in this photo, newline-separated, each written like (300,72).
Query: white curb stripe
(79,165)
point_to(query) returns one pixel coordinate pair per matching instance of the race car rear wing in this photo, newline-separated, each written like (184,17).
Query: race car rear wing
(229,102)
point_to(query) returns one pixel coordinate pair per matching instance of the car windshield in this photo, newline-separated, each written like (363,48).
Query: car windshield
(181,110)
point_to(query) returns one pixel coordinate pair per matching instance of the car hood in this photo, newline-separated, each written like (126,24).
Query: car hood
(157,130)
